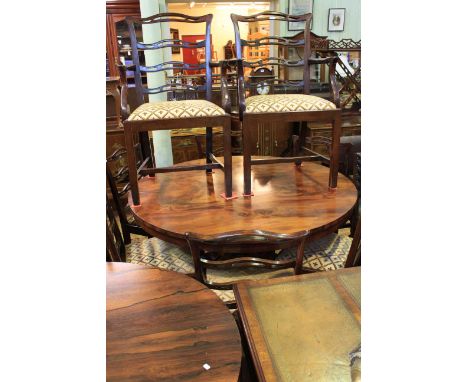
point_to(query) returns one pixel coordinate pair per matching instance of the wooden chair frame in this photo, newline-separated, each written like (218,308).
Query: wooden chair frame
(354,255)
(201,246)
(248,120)
(133,127)
(120,196)
(115,246)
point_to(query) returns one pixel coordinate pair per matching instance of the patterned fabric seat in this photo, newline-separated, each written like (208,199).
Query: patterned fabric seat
(175,110)
(275,103)
(328,253)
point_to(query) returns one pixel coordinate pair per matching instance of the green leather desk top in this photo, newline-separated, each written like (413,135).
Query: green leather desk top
(303,328)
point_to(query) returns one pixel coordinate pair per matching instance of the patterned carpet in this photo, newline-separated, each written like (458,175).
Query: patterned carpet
(328,253)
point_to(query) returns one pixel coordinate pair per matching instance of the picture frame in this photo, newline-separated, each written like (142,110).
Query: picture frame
(336,19)
(299,7)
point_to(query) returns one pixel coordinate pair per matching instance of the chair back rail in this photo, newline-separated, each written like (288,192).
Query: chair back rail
(200,246)
(283,85)
(273,40)
(137,46)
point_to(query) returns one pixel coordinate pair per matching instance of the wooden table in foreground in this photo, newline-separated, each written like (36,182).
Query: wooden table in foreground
(287,199)
(303,328)
(164,326)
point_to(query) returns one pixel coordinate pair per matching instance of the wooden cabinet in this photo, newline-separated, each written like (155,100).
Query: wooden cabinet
(271,138)
(185,148)
(116,11)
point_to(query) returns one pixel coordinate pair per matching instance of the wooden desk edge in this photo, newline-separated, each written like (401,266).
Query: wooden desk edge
(241,290)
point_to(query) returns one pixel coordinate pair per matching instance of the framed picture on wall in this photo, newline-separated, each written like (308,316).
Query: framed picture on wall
(336,17)
(299,7)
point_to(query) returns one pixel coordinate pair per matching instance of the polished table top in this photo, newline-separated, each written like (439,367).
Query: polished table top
(164,326)
(303,328)
(287,199)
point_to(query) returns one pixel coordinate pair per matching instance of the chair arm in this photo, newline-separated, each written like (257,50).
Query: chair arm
(225,97)
(331,62)
(239,63)
(124,107)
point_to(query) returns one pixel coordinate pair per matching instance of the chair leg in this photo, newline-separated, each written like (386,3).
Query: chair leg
(227,159)
(354,219)
(247,158)
(353,256)
(117,202)
(146,147)
(132,169)
(335,152)
(125,234)
(299,257)
(209,146)
(195,251)
(296,148)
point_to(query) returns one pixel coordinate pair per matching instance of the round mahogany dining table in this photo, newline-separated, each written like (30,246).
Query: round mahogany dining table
(166,326)
(287,199)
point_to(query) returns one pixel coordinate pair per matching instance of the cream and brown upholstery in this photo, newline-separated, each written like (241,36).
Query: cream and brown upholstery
(276,103)
(176,110)
(328,253)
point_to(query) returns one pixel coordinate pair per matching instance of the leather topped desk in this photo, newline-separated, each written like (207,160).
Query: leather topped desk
(287,199)
(303,328)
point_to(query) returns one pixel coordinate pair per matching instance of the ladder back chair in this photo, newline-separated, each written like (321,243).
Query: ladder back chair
(207,253)
(281,104)
(176,114)
(115,246)
(117,181)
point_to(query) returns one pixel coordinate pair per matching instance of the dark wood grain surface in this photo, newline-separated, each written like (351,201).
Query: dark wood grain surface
(302,328)
(287,199)
(164,326)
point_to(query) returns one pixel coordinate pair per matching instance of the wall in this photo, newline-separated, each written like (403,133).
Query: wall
(221,28)
(352,27)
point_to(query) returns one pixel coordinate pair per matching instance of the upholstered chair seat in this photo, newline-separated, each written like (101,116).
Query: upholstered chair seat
(277,103)
(176,110)
(328,253)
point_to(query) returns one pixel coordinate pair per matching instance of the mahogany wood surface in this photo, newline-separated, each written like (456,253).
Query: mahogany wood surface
(287,199)
(342,287)
(164,326)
